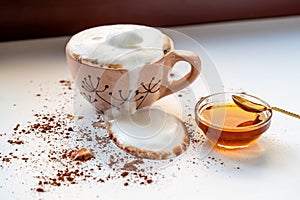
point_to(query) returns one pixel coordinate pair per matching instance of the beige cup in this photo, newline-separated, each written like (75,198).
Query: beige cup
(112,86)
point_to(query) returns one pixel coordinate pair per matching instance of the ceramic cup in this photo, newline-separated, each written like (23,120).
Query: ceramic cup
(112,86)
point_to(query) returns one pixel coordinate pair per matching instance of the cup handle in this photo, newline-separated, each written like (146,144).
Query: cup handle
(181,55)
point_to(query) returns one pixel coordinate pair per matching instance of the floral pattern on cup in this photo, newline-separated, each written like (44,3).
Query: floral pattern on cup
(92,91)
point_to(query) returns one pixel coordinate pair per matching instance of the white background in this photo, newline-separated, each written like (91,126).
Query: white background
(260,57)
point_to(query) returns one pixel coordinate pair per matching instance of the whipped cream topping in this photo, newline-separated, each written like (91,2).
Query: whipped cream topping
(150,133)
(118,46)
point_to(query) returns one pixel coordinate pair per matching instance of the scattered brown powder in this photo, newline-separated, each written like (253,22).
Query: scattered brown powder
(40,190)
(124,174)
(82,154)
(132,166)
(6,159)
(17,141)
(70,117)
(17,127)
(80,117)
(65,167)
(149,181)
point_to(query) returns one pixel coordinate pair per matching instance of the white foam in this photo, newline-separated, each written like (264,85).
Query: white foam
(150,131)
(128,45)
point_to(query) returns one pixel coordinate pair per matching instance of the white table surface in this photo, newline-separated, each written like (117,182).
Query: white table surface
(260,57)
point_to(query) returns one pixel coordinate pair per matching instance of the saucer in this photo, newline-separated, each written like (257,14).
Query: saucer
(150,133)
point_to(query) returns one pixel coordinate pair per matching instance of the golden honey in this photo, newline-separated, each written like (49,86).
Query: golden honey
(229,126)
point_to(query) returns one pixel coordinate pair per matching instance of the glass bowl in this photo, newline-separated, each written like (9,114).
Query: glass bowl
(227,125)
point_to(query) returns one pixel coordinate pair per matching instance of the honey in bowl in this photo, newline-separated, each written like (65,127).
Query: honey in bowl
(226,124)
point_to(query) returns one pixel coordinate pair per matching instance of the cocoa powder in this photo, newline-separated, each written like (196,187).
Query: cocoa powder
(72,155)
